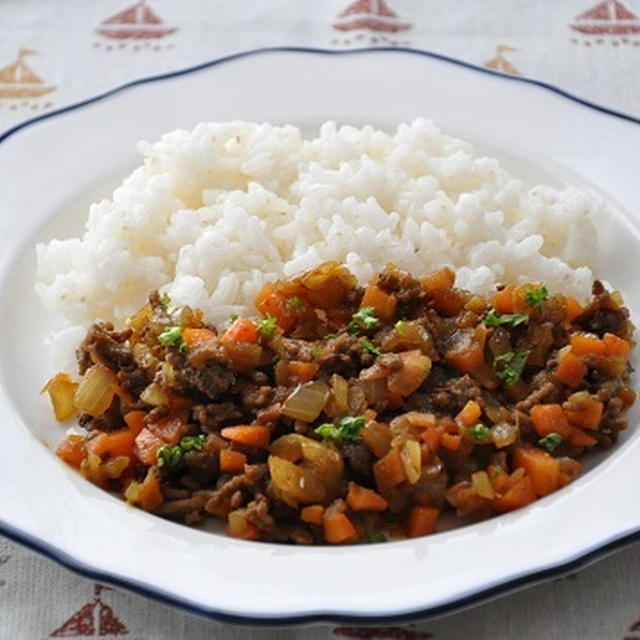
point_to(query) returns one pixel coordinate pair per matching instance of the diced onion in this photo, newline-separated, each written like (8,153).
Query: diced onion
(411,455)
(61,389)
(415,369)
(113,468)
(306,401)
(154,395)
(503,434)
(338,402)
(95,393)
(482,485)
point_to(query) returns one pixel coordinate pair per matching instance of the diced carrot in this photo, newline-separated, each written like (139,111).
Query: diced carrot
(583,344)
(377,437)
(520,494)
(271,302)
(550,418)
(571,370)
(438,283)
(242,330)
(422,521)
(470,414)
(586,412)
(135,421)
(499,479)
(389,471)
(116,443)
(579,438)
(146,446)
(384,304)
(363,499)
(451,303)
(302,371)
(467,358)
(72,450)
(503,300)
(252,435)
(615,346)
(451,441)
(338,528)
(232,461)
(313,514)
(574,309)
(150,494)
(170,429)
(432,437)
(542,468)
(197,337)
(240,527)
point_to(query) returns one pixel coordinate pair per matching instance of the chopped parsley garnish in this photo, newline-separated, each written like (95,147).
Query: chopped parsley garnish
(317,352)
(233,317)
(495,471)
(165,301)
(509,366)
(534,297)
(172,456)
(399,327)
(551,441)
(362,319)
(479,433)
(172,337)
(369,347)
(378,536)
(495,319)
(294,303)
(348,429)
(331,336)
(268,326)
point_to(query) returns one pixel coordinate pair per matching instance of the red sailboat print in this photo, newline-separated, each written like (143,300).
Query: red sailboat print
(93,620)
(372,18)
(137,22)
(607,18)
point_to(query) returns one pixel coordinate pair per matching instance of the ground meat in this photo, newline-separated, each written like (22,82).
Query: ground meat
(360,460)
(212,417)
(103,345)
(213,380)
(110,420)
(219,502)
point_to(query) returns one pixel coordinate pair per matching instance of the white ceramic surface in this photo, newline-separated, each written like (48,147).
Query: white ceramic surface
(51,169)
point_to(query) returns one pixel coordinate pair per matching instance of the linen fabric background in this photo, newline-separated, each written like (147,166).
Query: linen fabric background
(70,51)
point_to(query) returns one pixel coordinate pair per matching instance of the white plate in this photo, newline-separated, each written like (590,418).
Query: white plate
(54,165)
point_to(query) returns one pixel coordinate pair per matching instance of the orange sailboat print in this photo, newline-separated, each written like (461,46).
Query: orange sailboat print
(500,63)
(137,22)
(609,18)
(18,80)
(93,620)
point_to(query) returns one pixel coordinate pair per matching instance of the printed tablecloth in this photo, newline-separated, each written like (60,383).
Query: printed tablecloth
(54,54)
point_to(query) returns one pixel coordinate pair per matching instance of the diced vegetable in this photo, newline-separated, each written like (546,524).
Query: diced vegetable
(571,370)
(362,499)
(95,393)
(469,414)
(504,434)
(574,309)
(583,344)
(365,319)
(146,446)
(550,442)
(242,330)
(422,521)
(313,514)
(583,410)
(467,353)
(580,438)
(272,303)
(197,338)
(503,301)
(61,389)
(302,371)
(268,326)
(338,529)
(479,433)
(520,493)
(550,418)
(72,450)
(482,485)
(415,370)
(615,346)
(377,437)
(135,421)
(451,441)
(389,471)
(535,296)
(169,429)
(382,303)
(172,337)
(116,443)
(411,455)
(252,435)
(509,366)
(232,461)
(239,527)
(540,467)
(306,401)
(150,495)
(494,319)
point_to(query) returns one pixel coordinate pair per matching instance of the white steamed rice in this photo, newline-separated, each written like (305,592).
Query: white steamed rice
(214,213)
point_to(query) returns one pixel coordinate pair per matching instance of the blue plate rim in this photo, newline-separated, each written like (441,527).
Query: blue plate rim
(42,547)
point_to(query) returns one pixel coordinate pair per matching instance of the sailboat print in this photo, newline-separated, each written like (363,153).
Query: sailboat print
(374,15)
(607,18)
(18,80)
(94,619)
(137,22)
(500,63)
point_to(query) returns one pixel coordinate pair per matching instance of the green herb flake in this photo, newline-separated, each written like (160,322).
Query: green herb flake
(268,326)
(400,327)
(172,337)
(170,456)
(294,303)
(374,537)
(495,319)
(331,336)
(479,433)
(165,301)
(369,347)
(495,471)
(193,443)
(509,366)
(317,352)
(534,297)
(348,430)
(551,441)
(233,317)
(362,319)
